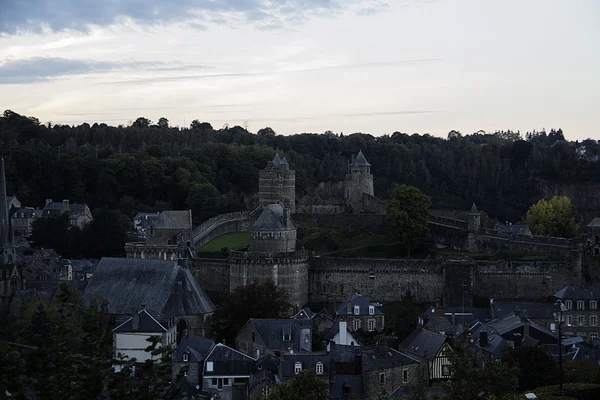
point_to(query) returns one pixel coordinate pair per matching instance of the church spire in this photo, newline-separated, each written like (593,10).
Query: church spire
(4,222)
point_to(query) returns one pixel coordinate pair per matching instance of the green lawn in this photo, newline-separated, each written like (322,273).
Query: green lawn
(232,241)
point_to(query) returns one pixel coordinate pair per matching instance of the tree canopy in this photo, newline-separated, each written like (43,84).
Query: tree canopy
(408,211)
(304,386)
(553,218)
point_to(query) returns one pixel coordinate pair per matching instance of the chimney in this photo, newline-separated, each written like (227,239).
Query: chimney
(483,338)
(135,320)
(48,201)
(66,204)
(517,339)
(349,307)
(343,333)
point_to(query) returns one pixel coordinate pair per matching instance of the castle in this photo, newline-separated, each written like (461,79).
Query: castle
(272,252)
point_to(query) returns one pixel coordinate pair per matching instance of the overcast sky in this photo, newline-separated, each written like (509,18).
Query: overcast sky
(374,66)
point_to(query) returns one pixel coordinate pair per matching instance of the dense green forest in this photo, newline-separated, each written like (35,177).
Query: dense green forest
(148,166)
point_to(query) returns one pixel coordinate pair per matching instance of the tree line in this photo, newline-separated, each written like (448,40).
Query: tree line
(146,166)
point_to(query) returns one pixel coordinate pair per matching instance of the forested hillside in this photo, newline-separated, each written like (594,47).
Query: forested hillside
(149,166)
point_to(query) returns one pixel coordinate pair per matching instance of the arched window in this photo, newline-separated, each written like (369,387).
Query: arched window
(297,367)
(319,368)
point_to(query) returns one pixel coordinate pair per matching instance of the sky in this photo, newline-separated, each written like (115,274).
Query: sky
(372,66)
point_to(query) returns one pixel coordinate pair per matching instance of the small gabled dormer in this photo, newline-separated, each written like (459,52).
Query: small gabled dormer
(356,310)
(297,367)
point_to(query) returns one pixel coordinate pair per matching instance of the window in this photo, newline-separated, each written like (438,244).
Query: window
(445,370)
(580,304)
(213,382)
(593,320)
(580,320)
(225,381)
(266,391)
(371,310)
(356,310)
(382,378)
(297,367)
(569,320)
(594,335)
(371,325)
(253,337)
(552,327)
(209,366)
(185,356)
(569,304)
(593,305)
(184,373)
(257,353)
(404,375)
(319,368)
(287,337)
(356,324)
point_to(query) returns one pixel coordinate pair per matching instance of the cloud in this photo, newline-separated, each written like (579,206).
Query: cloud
(40,69)
(59,15)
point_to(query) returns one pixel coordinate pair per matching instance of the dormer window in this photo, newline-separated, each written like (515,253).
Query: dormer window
(371,310)
(287,337)
(356,310)
(297,367)
(319,368)
(185,356)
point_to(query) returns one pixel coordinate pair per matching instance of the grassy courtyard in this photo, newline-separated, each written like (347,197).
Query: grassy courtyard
(233,241)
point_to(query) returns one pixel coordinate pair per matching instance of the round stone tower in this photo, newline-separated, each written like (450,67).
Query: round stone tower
(272,255)
(359,180)
(277,184)
(474,219)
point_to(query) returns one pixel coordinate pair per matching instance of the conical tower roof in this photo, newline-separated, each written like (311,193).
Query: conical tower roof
(361,160)
(284,161)
(276,160)
(474,209)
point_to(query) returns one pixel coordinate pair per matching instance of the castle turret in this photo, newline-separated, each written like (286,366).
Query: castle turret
(277,184)
(273,231)
(359,180)
(474,219)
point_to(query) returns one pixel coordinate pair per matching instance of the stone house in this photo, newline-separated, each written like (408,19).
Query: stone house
(142,222)
(386,370)
(23,219)
(361,314)
(166,287)
(339,335)
(79,214)
(188,360)
(227,373)
(582,309)
(266,377)
(273,231)
(131,334)
(293,364)
(274,336)
(170,228)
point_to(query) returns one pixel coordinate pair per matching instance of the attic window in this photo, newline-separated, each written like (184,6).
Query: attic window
(319,368)
(371,310)
(185,356)
(297,367)
(356,310)
(404,375)
(287,337)
(209,366)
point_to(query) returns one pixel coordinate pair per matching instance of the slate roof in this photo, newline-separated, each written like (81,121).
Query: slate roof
(271,332)
(400,393)
(308,361)
(589,291)
(374,359)
(513,323)
(263,375)
(149,321)
(439,324)
(354,383)
(335,328)
(229,362)
(27,212)
(269,362)
(467,315)
(174,220)
(423,343)
(358,300)
(276,160)
(271,219)
(76,209)
(53,208)
(197,349)
(361,160)
(163,286)
(595,223)
(495,344)
(145,219)
(474,209)
(529,309)
(304,313)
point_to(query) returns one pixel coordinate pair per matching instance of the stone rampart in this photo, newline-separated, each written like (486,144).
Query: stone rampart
(219,225)
(211,274)
(347,222)
(334,279)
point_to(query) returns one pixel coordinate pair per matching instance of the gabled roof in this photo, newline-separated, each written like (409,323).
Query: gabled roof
(271,332)
(276,160)
(586,291)
(197,349)
(272,218)
(163,286)
(261,376)
(229,362)
(423,343)
(304,313)
(334,330)
(374,359)
(361,160)
(27,212)
(528,309)
(174,220)
(358,300)
(149,321)
(595,223)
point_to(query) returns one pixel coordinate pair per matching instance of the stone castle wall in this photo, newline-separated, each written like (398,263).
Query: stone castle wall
(273,242)
(347,222)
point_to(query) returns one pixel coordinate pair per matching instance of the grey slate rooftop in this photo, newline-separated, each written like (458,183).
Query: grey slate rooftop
(590,291)
(358,300)
(271,219)
(197,349)
(304,313)
(361,160)
(271,332)
(423,343)
(162,286)
(174,220)
(229,362)
(308,361)
(149,321)
(529,309)
(374,359)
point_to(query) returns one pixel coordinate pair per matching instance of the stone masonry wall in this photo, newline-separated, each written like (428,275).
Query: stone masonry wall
(347,222)
(211,274)
(221,229)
